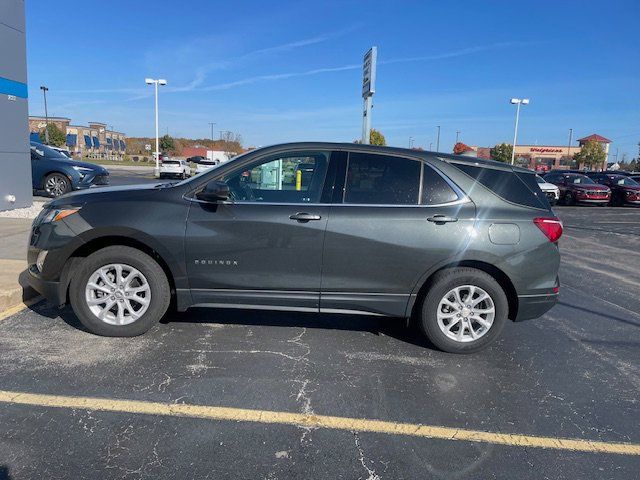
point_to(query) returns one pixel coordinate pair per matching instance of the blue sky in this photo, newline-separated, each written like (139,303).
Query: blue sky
(287,71)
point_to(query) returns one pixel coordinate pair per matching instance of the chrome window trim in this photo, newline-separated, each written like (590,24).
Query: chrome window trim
(456,202)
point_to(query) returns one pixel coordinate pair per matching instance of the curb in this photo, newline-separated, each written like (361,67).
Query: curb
(14,296)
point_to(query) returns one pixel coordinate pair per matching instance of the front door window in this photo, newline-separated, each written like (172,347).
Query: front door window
(290,178)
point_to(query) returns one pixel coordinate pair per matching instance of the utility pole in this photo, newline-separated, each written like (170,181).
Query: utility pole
(212,125)
(569,146)
(410,142)
(438,140)
(46,114)
(457,136)
(431,146)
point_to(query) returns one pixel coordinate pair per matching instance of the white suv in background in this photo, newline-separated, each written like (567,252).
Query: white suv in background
(206,164)
(172,167)
(549,189)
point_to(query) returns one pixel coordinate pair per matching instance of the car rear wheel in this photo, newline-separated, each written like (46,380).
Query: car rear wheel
(464,310)
(119,292)
(56,184)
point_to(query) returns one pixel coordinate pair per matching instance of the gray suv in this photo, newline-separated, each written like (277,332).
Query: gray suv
(458,244)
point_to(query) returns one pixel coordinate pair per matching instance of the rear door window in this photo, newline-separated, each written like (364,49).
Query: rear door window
(381,180)
(435,189)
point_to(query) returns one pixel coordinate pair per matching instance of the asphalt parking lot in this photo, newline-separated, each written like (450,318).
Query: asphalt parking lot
(266,381)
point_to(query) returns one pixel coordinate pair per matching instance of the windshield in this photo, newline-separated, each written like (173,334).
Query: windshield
(209,171)
(624,181)
(539,179)
(170,162)
(579,179)
(48,152)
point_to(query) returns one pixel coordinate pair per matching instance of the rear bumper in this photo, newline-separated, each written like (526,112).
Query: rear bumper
(534,306)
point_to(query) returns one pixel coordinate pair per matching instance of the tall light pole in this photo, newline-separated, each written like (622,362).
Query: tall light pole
(457,135)
(410,142)
(569,146)
(155,83)
(518,102)
(46,114)
(438,140)
(431,146)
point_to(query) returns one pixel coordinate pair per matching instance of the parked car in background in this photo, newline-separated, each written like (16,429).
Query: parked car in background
(206,164)
(551,191)
(172,167)
(196,159)
(577,188)
(57,174)
(243,236)
(63,151)
(624,189)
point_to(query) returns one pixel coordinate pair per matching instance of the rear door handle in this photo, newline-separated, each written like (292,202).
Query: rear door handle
(442,219)
(304,217)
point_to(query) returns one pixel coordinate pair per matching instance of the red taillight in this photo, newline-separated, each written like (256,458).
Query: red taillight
(550,226)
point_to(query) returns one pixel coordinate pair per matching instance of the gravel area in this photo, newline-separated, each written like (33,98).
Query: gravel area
(28,212)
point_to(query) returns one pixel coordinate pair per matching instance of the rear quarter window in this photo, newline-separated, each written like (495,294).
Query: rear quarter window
(519,188)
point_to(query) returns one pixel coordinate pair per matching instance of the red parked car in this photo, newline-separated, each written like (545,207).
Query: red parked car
(577,188)
(624,189)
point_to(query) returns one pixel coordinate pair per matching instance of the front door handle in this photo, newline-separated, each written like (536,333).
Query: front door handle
(442,219)
(304,217)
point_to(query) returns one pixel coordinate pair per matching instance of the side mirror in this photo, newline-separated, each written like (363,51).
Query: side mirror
(214,191)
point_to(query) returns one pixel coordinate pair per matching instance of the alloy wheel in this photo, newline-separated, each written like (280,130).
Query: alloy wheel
(55,185)
(466,313)
(118,294)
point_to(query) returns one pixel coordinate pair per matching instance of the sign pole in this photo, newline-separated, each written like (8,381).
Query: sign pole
(368,89)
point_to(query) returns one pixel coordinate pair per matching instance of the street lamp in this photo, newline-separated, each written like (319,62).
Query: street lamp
(160,81)
(438,140)
(518,102)
(46,114)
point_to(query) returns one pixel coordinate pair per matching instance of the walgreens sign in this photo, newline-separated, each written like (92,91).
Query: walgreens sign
(545,150)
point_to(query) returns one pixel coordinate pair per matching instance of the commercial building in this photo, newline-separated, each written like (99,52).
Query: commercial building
(15,179)
(92,141)
(543,158)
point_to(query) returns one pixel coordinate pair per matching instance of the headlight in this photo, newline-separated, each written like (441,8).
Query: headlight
(56,214)
(82,169)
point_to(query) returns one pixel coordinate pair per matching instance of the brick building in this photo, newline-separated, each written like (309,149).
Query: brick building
(543,158)
(92,141)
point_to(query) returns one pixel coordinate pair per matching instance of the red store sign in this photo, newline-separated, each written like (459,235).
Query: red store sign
(545,150)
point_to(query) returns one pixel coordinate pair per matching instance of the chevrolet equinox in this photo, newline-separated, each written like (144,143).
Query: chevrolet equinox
(459,244)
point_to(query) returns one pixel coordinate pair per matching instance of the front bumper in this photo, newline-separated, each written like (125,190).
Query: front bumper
(91,180)
(51,290)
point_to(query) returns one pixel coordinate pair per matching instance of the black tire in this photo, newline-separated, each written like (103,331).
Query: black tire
(56,184)
(569,199)
(442,283)
(155,275)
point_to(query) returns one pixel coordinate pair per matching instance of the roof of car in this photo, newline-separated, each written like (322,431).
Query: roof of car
(446,157)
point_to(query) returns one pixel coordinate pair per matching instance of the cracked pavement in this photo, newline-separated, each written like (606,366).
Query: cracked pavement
(575,373)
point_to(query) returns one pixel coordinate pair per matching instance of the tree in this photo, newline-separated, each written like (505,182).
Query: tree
(502,152)
(592,154)
(56,137)
(459,148)
(377,138)
(231,143)
(167,144)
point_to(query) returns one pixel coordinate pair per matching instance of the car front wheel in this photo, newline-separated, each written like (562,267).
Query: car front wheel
(464,310)
(56,184)
(119,292)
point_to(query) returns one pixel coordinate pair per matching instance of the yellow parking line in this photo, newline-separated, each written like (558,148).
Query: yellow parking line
(318,421)
(18,308)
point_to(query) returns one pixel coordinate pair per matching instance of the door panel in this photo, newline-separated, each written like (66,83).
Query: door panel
(265,247)
(374,256)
